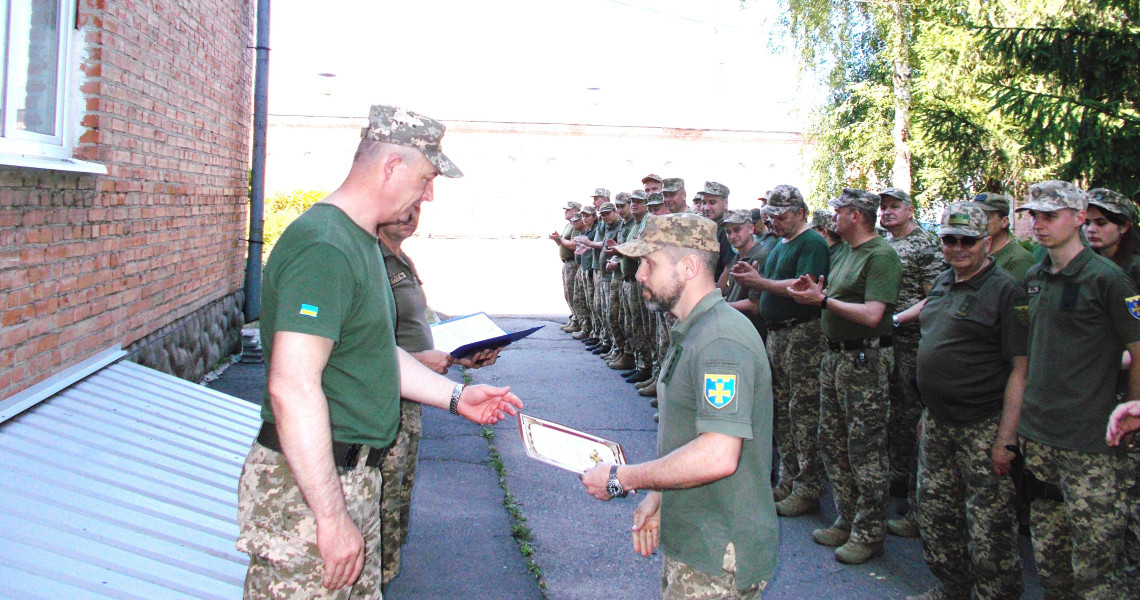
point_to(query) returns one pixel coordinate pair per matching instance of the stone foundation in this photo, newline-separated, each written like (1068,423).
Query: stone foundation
(194,345)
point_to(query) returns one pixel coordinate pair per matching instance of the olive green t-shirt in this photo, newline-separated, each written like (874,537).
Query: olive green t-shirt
(629,265)
(1014,259)
(807,253)
(412,330)
(868,272)
(326,278)
(563,252)
(1079,324)
(715,378)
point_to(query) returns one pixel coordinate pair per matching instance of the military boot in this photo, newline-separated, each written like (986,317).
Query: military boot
(857,553)
(622,362)
(836,535)
(649,390)
(640,376)
(796,505)
(902,528)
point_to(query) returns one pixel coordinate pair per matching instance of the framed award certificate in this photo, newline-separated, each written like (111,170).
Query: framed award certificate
(566,448)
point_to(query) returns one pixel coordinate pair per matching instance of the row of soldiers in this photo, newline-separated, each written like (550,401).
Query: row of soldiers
(964,349)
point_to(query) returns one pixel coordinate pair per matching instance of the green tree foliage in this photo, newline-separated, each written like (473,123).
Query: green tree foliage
(280,210)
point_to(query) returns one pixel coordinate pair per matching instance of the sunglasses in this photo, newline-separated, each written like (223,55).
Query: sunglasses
(963,240)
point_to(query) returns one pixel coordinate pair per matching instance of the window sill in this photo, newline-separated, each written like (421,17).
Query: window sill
(54,164)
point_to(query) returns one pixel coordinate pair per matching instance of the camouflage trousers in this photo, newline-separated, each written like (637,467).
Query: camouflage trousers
(682,582)
(615,314)
(637,342)
(569,271)
(279,531)
(601,297)
(967,514)
(1078,543)
(853,413)
(583,291)
(665,322)
(399,473)
(906,411)
(794,354)
(1132,536)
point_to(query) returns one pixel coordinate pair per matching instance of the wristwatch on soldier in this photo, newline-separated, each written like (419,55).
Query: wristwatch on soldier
(613,486)
(456,392)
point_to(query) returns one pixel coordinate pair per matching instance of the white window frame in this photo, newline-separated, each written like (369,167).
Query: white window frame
(23,148)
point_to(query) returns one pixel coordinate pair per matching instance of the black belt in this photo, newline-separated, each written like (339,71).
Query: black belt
(860,343)
(344,455)
(778,325)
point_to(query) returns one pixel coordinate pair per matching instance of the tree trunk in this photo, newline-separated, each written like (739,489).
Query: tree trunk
(900,31)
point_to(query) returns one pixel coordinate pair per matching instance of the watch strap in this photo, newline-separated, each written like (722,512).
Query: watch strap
(456,392)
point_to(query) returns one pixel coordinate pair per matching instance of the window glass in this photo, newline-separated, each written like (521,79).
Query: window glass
(33,64)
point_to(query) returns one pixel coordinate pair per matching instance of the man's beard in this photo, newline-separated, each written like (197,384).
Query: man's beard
(662,303)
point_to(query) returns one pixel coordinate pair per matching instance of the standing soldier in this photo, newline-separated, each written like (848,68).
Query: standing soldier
(971,372)
(621,354)
(738,227)
(638,317)
(861,290)
(1082,317)
(823,222)
(673,190)
(1006,252)
(794,348)
(651,183)
(569,266)
(921,263)
(713,204)
(584,290)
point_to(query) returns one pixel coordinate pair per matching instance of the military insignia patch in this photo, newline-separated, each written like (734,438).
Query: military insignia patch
(1022,314)
(397,278)
(1133,307)
(720,390)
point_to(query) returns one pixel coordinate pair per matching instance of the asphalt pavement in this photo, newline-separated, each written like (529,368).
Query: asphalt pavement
(460,543)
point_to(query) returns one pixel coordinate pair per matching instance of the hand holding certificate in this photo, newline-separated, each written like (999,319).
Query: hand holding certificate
(566,448)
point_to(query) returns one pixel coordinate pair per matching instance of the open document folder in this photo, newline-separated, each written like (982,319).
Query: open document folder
(566,448)
(464,336)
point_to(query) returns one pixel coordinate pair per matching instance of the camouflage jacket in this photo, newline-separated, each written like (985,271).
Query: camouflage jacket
(921,254)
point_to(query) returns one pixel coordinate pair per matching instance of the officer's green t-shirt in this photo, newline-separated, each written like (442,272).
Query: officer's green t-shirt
(326,278)
(1079,324)
(412,330)
(868,272)
(610,232)
(563,252)
(587,258)
(1014,259)
(804,254)
(715,378)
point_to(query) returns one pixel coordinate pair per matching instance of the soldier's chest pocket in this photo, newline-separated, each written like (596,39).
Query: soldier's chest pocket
(972,310)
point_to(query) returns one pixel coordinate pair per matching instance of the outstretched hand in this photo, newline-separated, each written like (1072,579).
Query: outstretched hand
(1123,421)
(806,290)
(647,524)
(487,405)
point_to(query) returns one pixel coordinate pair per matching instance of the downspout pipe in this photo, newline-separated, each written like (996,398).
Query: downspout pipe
(252,287)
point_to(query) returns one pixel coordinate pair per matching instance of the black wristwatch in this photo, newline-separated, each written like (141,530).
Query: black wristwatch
(613,486)
(456,392)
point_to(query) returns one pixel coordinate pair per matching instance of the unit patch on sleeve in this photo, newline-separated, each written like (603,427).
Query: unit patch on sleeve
(720,390)
(1133,304)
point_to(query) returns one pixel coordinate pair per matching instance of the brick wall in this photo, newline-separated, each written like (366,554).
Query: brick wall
(90,261)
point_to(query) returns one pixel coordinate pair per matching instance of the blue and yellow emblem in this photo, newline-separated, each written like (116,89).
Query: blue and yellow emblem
(1133,304)
(309,310)
(720,390)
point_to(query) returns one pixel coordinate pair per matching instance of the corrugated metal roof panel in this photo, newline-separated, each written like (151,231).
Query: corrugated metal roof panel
(124,485)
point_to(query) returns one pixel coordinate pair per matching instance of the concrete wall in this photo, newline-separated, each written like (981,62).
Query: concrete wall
(89,261)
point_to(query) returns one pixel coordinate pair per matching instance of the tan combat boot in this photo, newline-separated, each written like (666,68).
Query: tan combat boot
(836,535)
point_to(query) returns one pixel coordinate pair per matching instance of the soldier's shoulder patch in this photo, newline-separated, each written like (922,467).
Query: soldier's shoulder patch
(1022,314)
(1133,304)
(397,278)
(720,389)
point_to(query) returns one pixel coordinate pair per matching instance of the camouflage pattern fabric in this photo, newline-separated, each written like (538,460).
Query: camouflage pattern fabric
(853,413)
(1050,196)
(569,270)
(1131,486)
(614,315)
(967,515)
(794,354)
(581,292)
(399,474)
(601,300)
(1079,543)
(279,531)
(639,336)
(682,582)
(395,125)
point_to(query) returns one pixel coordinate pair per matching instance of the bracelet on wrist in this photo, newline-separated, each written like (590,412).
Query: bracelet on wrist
(823,303)
(456,392)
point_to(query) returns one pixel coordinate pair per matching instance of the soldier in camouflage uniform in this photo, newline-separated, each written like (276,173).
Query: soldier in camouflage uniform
(971,372)
(1082,317)
(1006,252)
(922,262)
(335,377)
(651,183)
(716,526)
(584,285)
(638,339)
(620,356)
(569,266)
(660,321)
(862,289)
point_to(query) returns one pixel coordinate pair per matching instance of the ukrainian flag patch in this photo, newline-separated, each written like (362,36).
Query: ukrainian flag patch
(309,310)
(720,390)
(1133,304)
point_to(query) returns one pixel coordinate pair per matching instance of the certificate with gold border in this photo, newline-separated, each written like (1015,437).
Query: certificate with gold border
(566,448)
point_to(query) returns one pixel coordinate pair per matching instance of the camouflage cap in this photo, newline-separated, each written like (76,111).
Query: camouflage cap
(654,199)
(572,206)
(858,198)
(991,202)
(686,230)
(575,218)
(607,207)
(823,219)
(737,217)
(638,196)
(652,177)
(589,210)
(395,125)
(713,188)
(1114,202)
(783,198)
(1051,196)
(621,199)
(963,218)
(672,184)
(601,193)
(894,192)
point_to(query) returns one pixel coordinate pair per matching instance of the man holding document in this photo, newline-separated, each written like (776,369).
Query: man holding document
(711,502)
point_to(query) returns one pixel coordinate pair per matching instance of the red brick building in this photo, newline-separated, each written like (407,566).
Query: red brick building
(124,170)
